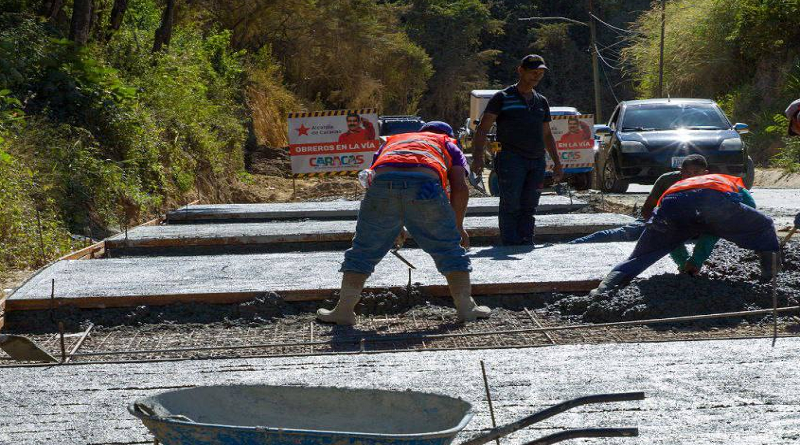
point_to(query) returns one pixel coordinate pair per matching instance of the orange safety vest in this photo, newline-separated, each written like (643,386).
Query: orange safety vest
(426,149)
(721,183)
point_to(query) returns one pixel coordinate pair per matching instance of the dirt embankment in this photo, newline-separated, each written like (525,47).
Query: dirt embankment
(776,178)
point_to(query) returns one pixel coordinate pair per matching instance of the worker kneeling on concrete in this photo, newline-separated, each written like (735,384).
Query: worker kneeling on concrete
(412,175)
(693,165)
(706,204)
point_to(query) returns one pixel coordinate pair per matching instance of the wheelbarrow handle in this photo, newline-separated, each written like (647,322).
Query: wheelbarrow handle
(505,430)
(587,432)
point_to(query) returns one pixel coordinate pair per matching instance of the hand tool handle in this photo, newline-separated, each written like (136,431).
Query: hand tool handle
(505,430)
(587,432)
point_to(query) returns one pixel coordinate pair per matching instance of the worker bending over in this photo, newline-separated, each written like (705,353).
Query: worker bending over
(693,165)
(707,204)
(415,174)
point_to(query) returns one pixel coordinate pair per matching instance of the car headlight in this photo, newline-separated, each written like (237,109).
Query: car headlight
(731,144)
(632,147)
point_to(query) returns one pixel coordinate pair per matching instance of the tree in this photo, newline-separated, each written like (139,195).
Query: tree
(117,14)
(164,32)
(51,8)
(81,21)
(450,32)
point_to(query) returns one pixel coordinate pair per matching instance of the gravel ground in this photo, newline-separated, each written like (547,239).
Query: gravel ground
(728,282)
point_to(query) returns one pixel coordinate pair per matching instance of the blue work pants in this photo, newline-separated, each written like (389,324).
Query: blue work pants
(520,181)
(413,200)
(628,232)
(685,215)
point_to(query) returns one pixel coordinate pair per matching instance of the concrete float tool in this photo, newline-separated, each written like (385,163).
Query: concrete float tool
(24,350)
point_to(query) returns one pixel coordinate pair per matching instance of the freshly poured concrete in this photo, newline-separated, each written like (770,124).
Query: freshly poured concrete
(311,275)
(179,235)
(337,209)
(781,204)
(741,392)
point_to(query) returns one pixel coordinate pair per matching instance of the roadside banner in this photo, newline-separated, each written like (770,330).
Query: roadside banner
(337,142)
(574,141)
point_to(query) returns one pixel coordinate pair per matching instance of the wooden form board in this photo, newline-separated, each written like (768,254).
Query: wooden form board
(304,276)
(101,302)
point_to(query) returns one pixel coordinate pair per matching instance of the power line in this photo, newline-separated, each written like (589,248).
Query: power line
(608,82)
(627,31)
(600,56)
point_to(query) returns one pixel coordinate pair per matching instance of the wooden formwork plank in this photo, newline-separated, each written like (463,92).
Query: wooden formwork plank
(106,301)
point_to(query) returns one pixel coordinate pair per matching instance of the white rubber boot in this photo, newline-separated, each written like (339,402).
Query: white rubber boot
(461,291)
(350,294)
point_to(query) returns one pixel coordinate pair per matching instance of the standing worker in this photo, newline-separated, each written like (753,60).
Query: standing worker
(707,204)
(523,130)
(415,174)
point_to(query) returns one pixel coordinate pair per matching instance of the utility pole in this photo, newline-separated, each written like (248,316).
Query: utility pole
(598,113)
(661,55)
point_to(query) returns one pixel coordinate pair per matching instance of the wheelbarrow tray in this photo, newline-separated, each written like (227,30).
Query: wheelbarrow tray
(278,415)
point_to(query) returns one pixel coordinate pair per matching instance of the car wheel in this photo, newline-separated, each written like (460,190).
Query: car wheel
(494,184)
(609,180)
(749,173)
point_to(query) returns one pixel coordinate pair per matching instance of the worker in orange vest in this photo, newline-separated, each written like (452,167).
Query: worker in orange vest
(706,204)
(419,182)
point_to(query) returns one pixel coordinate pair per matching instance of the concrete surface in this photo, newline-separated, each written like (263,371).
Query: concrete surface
(150,280)
(741,392)
(780,204)
(576,224)
(337,209)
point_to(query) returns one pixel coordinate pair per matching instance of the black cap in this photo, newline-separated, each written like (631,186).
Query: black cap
(532,62)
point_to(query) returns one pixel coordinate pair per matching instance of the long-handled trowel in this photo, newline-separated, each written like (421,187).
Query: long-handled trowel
(24,350)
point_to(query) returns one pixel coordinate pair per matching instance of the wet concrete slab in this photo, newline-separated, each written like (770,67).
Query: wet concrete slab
(781,204)
(310,276)
(264,233)
(699,393)
(337,210)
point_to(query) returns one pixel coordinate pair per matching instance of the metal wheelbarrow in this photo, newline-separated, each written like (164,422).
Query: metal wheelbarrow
(284,415)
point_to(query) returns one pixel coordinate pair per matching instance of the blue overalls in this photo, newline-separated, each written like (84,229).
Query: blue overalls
(688,214)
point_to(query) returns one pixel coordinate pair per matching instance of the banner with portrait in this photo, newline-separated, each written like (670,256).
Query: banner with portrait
(332,142)
(574,142)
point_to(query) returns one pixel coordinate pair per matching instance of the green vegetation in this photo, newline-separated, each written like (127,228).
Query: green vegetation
(112,110)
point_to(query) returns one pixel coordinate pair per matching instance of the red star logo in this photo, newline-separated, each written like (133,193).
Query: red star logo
(303,130)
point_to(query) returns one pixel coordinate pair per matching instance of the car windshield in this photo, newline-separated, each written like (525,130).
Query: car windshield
(398,127)
(666,116)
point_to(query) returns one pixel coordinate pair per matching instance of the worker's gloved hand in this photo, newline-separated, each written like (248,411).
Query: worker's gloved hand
(690,269)
(428,190)
(797,221)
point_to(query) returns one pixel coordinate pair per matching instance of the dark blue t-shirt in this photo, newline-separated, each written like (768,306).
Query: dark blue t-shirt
(519,121)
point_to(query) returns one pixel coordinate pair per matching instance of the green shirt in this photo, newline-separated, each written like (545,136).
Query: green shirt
(664,182)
